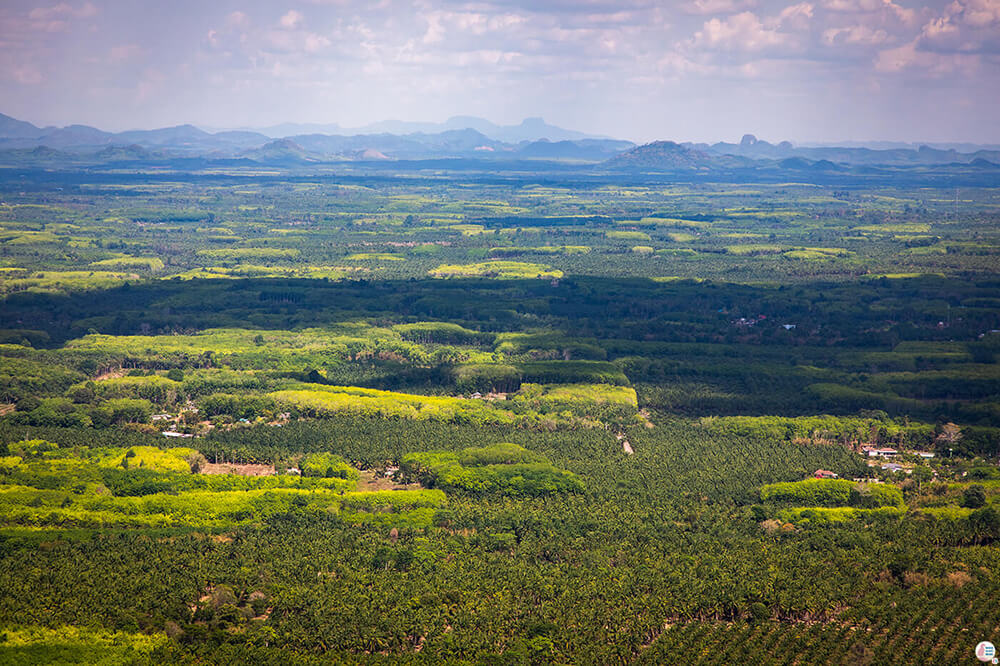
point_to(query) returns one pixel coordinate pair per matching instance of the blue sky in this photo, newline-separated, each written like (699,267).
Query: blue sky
(817,70)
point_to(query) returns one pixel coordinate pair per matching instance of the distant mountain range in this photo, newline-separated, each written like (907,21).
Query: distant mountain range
(530,129)
(462,139)
(532,139)
(750,154)
(896,155)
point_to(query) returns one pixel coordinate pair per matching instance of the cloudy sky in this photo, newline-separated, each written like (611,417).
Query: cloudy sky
(817,70)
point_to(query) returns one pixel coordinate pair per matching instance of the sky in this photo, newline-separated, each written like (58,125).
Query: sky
(690,70)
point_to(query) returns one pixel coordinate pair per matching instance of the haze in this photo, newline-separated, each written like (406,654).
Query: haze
(704,70)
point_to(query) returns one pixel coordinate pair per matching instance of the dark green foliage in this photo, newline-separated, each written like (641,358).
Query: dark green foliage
(984,473)
(985,523)
(444,333)
(483,377)
(974,497)
(572,372)
(137,482)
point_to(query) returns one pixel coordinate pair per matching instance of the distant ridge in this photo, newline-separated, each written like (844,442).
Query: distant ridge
(121,153)
(461,139)
(18,129)
(282,150)
(888,154)
(670,156)
(529,129)
(583,149)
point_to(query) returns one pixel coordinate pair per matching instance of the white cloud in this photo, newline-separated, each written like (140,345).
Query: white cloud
(124,52)
(675,65)
(909,57)
(740,32)
(290,42)
(150,83)
(884,7)
(972,26)
(979,13)
(853,5)
(718,6)
(941,32)
(54,19)
(238,19)
(27,75)
(63,10)
(443,23)
(314,43)
(855,34)
(435,28)
(793,16)
(291,20)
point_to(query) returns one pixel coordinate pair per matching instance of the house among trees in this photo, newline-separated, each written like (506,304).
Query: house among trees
(881,453)
(825,474)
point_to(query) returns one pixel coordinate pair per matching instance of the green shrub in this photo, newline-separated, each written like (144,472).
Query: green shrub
(505,469)
(974,497)
(811,492)
(473,377)
(327,465)
(235,405)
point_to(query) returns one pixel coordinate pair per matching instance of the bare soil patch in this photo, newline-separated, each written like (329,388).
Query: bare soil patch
(370,481)
(235,468)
